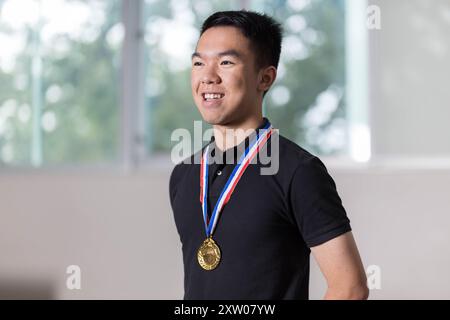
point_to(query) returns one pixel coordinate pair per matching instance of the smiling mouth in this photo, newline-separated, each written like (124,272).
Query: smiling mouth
(212,96)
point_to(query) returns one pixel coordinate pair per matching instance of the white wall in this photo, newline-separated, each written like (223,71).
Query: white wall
(119,229)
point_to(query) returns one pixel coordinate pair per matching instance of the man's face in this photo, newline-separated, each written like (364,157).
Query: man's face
(224,77)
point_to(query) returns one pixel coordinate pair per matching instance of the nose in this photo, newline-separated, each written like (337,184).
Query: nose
(210,76)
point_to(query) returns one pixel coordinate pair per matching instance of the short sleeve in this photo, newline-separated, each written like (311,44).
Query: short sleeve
(315,203)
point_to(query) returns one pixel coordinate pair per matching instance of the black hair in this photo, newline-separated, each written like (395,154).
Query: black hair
(265,34)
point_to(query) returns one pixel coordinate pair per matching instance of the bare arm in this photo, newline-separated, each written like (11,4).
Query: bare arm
(341,265)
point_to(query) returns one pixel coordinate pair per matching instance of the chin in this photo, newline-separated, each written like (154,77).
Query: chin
(211,117)
(212,120)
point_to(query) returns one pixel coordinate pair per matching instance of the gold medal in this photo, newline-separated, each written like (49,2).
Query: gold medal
(208,254)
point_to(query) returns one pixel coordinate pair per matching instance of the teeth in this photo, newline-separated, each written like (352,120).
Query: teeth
(213,95)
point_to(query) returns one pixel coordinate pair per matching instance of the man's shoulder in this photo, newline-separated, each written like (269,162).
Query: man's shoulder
(292,153)
(298,163)
(183,166)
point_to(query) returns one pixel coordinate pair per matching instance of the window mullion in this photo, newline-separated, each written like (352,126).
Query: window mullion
(132,105)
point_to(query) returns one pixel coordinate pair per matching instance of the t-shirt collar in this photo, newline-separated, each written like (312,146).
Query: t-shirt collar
(238,148)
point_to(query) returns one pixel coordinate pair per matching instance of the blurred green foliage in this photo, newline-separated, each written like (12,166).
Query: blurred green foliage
(306,76)
(80,87)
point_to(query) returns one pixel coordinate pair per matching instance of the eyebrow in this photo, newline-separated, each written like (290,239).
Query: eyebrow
(230,52)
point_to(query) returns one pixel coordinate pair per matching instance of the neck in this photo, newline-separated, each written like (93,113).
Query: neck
(229,135)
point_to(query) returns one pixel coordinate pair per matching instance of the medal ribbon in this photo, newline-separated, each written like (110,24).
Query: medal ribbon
(251,151)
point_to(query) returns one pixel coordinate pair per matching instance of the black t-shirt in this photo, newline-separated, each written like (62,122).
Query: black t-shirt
(266,229)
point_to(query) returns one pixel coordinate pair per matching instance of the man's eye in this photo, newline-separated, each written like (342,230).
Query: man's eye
(226,62)
(197,63)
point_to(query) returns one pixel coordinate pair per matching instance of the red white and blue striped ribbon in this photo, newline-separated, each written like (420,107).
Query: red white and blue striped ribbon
(233,180)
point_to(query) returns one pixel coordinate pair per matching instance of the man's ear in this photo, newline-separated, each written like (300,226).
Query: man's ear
(266,78)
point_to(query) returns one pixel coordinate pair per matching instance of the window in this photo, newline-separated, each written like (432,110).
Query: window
(63,99)
(307,100)
(59,78)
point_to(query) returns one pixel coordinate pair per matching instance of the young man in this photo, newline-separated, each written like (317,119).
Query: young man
(246,235)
